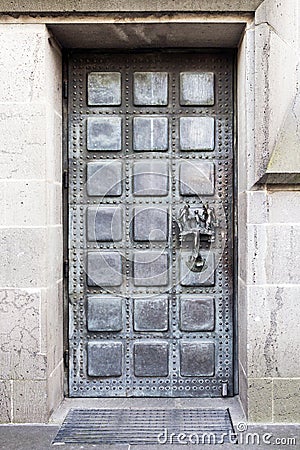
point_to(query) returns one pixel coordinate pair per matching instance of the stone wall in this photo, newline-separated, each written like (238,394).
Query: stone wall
(269,214)
(31,368)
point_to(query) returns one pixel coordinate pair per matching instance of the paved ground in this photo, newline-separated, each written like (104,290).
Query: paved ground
(39,437)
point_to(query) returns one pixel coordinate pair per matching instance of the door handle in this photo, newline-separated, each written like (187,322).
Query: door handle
(196,224)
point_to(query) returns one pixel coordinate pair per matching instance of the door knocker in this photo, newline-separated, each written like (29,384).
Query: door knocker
(196,223)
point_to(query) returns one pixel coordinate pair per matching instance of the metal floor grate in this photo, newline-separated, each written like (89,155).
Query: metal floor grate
(136,426)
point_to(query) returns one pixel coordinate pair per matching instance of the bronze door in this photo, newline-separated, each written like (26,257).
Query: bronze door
(150,224)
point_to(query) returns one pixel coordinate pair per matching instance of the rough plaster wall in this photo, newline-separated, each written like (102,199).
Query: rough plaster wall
(30,225)
(269,219)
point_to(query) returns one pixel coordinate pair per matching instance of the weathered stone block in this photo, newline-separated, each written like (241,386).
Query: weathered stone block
(260,397)
(104,178)
(29,403)
(5,401)
(286,400)
(197,359)
(104,269)
(151,314)
(104,133)
(150,133)
(197,88)
(150,269)
(273,350)
(150,88)
(196,178)
(150,224)
(104,88)
(197,133)
(150,178)
(105,223)
(104,313)
(197,314)
(151,359)
(23,257)
(105,358)
(23,141)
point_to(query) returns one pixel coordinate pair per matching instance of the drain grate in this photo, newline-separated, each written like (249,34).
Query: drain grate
(148,427)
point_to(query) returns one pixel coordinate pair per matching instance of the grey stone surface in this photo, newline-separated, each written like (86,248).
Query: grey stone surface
(260,398)
(23,257)
(286,400)
(150,268)
(29,403)
(104,269)
(105,358)
(104,88)
(197,358)
(197,88)
(104,313)
(196,178)
(105,223)
(273,339)
(104,178)
(161,34)
(22,134)
(150,88)
(151,358)
(5,401)
(197,314)
(150,224)
(20,356)
(150,133)
(151,314)
(204,278)
(150,178)
(118,5)
(197,133)
(104,133)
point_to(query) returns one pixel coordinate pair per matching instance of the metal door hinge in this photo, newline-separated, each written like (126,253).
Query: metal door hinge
(66,268)
(65,179)
(65,89)
(225,389)
(66,358)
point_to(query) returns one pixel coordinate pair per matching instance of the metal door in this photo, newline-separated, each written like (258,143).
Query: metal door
(150,224)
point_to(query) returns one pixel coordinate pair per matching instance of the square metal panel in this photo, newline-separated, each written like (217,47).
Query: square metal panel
(151,359)
(104,269)
(150,224)
(150,88)
(151,314)
(105,223)
(150,178)
(104,313)
(104,88)
(104,133)
(150,133)
(197,359)
(197,88)
(197,313)
(104,178)
(150,269)
(197,133)
(196,178)
(105,358)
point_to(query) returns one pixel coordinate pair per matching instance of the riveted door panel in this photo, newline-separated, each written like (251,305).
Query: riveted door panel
(150,224)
